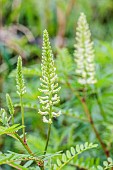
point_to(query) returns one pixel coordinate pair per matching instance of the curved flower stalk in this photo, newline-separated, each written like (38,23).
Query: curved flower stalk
(49,87)
(84,53)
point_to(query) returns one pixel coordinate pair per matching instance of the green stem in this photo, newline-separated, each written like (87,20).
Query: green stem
(84,104)
(48,136)
(39,162)
(12,119)
(24,144)
(50,117)
(22,113)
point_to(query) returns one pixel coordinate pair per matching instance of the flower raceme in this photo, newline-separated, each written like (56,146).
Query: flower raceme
(49,86)
(10,104)
(21,89)
(84,53)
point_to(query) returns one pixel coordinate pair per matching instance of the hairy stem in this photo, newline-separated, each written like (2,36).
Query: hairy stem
(48,136)
(22,113)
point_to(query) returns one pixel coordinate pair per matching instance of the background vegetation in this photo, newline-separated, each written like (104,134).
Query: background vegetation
(21,26)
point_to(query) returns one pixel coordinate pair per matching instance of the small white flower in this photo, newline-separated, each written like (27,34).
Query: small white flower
(45,120)
(56,114)
(43,113)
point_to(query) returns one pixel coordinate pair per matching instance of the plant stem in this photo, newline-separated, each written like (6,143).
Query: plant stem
(22,113)
(88,114)
(48,136)
(93,127)
(25,145)
(50,117)
(12,119)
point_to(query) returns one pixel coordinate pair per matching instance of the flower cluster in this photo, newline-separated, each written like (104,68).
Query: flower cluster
(10,104)
(49,87)
(3,117)
(21,89)
(84,53)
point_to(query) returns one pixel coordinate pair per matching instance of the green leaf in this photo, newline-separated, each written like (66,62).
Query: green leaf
(100,167)
(63,157)
(68,154)
(78,148)
(11,129)
(105,163)
(110,160)
(59,162)
(74,154)
(81,147)
(72,151)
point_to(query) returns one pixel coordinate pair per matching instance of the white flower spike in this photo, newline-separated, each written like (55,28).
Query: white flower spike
(49,87)
(84,53)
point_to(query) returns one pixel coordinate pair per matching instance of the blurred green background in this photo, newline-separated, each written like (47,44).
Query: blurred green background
(22,24)
(21,27)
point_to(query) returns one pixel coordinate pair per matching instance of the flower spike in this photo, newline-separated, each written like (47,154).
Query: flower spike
(49,87)
(84,53)
(21,89)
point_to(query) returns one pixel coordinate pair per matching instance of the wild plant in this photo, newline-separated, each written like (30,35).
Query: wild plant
(49,98)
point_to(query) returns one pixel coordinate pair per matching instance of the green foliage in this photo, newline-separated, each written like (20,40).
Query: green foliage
(70,155)
(10,130)
(81,110)
(64,64)
(88,163)
(14,159)
(19,24)
(106,164)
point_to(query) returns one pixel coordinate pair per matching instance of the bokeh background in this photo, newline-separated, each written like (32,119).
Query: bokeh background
(21,28)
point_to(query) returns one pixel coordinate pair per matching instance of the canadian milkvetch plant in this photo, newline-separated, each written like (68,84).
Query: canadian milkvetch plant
(49,86)
(84,53)
(48,98)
